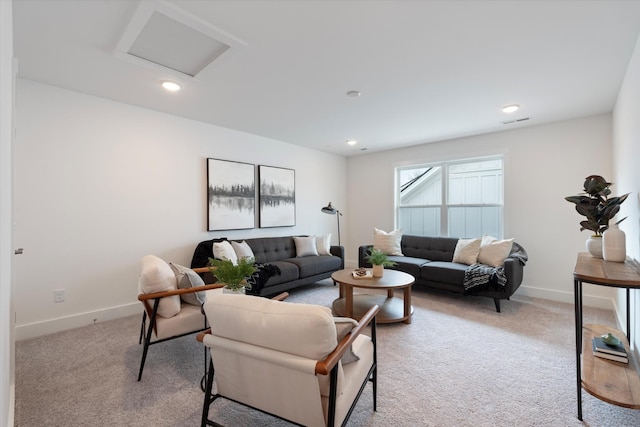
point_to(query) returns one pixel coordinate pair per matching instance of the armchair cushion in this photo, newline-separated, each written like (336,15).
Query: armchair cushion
(157,276)
(187,278)
(279,325)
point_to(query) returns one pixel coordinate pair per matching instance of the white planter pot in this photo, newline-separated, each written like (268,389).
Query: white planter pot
(226,290)
(614,245)
(378,271)
(594,246)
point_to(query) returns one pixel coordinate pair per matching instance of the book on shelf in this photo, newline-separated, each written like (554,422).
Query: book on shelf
(601,346)
(621,359)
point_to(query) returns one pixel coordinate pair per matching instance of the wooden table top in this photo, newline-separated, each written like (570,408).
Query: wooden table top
(598,271)
(391,279)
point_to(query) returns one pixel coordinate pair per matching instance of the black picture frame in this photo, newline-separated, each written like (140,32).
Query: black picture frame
(277,196)
(231,195)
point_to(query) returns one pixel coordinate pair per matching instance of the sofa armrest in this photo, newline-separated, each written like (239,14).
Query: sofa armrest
(339,252)
(363,251)
(514,270)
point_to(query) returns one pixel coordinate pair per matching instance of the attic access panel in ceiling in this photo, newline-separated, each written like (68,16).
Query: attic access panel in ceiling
(162,35)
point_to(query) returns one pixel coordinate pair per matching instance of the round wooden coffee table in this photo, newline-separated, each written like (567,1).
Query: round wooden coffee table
(392,309)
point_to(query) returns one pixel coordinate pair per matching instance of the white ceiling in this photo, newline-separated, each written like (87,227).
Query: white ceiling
(427,70)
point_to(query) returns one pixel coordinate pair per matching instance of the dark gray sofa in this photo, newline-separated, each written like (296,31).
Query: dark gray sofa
(279,252)
(429,260)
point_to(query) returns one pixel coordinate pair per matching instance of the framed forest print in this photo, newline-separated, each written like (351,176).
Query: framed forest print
(277,196)
(231,195)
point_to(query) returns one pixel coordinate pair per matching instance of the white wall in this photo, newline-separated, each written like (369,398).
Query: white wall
(543,164)
(7,361)
(626,155)
(100,184)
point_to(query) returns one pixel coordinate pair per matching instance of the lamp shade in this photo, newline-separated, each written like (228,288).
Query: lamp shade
(329,209)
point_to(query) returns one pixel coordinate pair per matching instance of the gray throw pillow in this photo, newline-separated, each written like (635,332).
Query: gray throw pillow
(187,278)
(344,325)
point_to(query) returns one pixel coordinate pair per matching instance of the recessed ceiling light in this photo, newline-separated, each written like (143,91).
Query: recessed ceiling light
(510,108)
(354,93)
(352,141)
(170,86)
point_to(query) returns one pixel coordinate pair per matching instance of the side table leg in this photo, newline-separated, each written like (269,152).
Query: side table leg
(577,290)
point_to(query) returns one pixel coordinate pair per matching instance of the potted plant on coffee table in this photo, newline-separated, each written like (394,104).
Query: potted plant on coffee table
(596,205)
(379,260)
(234,276)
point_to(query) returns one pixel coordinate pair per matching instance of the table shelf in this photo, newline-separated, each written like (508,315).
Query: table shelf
(613,382)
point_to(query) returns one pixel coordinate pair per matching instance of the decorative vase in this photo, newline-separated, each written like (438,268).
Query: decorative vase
(594,246)
(378,270)
(614,244)
(239,291)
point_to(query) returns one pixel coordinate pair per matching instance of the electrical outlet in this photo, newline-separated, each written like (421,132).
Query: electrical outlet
(58,295)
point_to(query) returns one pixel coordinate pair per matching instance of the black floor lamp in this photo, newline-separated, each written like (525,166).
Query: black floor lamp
(329,209)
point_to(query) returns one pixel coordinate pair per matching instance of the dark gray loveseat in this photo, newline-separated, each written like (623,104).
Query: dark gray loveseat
(429,260)
(279,252)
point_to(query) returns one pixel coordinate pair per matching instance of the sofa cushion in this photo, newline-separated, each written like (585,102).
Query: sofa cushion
(445,272)
(224,250)
(270,249)
(467,251)
(431,248)
(310,266)
(493,252)
(288,272)
(323,244)
(305,246)
(242,249)
(389,243)
(408,264)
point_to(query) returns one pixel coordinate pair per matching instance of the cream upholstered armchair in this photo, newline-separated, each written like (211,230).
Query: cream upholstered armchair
(172,297)
(288,359)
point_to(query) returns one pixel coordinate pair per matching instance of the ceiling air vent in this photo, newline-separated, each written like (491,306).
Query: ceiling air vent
(162,35)
(524,119)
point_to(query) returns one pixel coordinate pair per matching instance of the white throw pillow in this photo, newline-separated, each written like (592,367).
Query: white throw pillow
(323,244)
(305,246)
(187,278)
(242,249)
(493,252)
(389,243)
(467,251)
(224,250)
(157,276)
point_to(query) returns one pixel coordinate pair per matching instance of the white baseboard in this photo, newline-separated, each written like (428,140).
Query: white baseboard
(12,404)
(37,329)
(568,297)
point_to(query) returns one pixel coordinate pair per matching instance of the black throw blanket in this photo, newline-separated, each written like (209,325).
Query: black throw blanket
(480,274)
(260,277)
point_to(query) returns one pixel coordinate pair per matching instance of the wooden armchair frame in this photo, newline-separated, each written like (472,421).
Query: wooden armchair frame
(327,366)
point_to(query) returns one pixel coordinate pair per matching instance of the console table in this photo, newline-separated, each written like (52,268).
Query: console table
(612,382)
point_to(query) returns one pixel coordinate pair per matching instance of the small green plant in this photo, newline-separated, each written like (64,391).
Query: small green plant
(233,276)
(596,205)
(377,257)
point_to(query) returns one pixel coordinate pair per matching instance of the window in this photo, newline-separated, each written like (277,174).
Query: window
(459,199)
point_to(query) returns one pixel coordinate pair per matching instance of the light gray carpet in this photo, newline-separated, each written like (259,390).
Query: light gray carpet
(459,363)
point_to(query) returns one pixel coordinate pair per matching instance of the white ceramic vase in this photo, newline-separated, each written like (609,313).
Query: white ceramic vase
(226,290)
(614,245)
(594,246)
(378,270)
